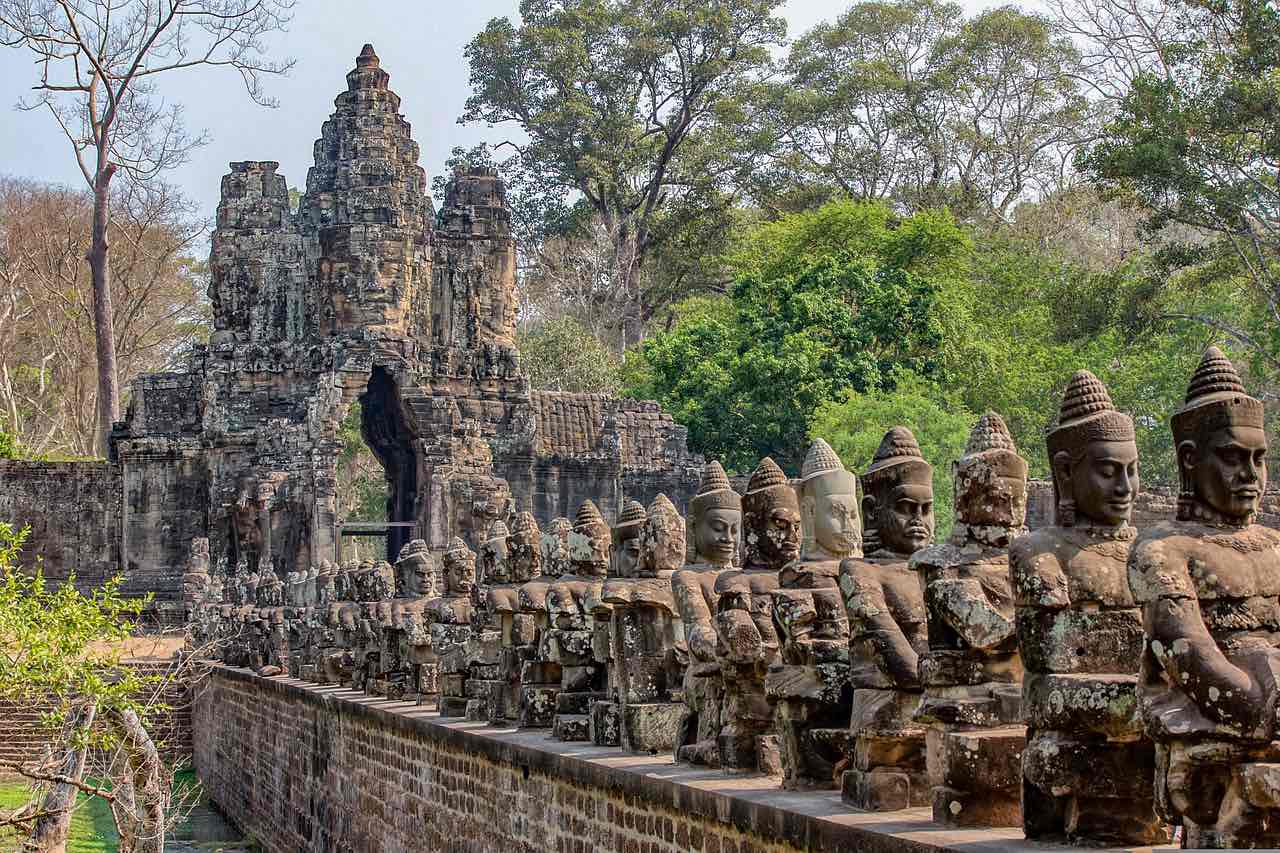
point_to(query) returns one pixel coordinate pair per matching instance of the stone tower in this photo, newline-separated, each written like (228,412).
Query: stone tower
(367,295)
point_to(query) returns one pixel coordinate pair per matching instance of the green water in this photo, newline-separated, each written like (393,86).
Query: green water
(93,830)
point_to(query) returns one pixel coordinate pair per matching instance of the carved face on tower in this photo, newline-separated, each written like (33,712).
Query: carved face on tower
(459,568)
(897,502)
(991,478)
(662,539)
(771,518)
(526,548)
(555,547)
(414,572)
(1222,446)
(1094,457)
(626,540)
(589,542)
(495,564)
(828,506)
(715,515)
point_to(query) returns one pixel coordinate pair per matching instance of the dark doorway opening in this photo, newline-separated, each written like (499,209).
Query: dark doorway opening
(383,426)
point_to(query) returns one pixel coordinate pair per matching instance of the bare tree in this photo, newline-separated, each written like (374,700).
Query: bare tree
(99,62)
(48,387)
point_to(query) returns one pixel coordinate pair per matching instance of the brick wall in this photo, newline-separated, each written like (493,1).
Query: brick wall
(303,767)
(23,738)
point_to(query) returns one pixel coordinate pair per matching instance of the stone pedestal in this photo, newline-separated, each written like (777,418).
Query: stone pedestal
(976,775)
(605,723)
(889,764)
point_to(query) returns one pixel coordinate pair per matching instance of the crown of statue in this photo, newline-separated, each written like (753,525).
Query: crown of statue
(662,507)
(714,492)
(525,523)
(990,442)
(1215,399)
(632,514)
(588,516)
(768,487)
(413,546)
(559,525)
(497,531)
(458,552)
(823,471)
(1086,416)
(898,460)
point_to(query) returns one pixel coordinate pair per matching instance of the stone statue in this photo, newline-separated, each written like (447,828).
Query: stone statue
(196,597)
(644,630)
(887,631)
(747,642)
(498,602)
(414,670)
(1209,587)
(810,683)
(453,645)
(972,674)
(1086,769)
(570,635)
(715,520)
(605,722)
(520,643)
(539,675)
(376,586)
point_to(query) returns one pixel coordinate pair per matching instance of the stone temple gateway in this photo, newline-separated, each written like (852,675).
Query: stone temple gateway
(367,294)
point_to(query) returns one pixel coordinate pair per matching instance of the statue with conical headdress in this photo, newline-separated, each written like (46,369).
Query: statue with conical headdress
(1087,768)
(456,645)
(747,642)
(538,678)
(887,631)
(809,684)
(715,521)
(412,670)
(1208,583)
(643,629)
(972,673)
(624,561)
(571,631)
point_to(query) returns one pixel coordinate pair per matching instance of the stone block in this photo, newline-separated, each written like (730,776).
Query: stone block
(651,727)
(884,789)
(975,808)
(604,722)
(984,760)
(571,727)
(540,672)
(537,706)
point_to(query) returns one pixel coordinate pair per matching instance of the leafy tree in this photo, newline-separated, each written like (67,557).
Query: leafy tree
(636,110)
(8,446)
(824,302)
(906,100)
(854,424)
(361,483)
(562,355)
(98,63)
(1193,141)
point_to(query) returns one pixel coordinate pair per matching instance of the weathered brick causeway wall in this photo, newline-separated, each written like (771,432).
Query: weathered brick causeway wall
(302,767)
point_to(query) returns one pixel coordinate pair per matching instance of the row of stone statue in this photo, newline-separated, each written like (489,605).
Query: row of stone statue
(1093,683)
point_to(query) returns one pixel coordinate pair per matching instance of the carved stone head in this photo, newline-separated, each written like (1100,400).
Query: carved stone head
(626,540)
(770,518)
(662,539)
(991,478)
(1222,446)
(589,542)
(897,500)
(555,547)
(715,518)
(1093,456)
(415,574)
(459,568)
(828,506)
(495,563)
(525,546)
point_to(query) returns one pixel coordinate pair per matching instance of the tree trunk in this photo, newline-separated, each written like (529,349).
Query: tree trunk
(141,817)
(103,322)
(49,835)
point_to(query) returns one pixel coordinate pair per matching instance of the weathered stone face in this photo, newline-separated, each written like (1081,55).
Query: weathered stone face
(904,517)
(715,535)
(1102,480)
(1228,469)
(662,539)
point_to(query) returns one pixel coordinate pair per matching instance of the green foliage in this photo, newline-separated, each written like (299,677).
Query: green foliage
(1196,143)
(854,425)
(564,355)
(8,445)
(56,641)
(826,301)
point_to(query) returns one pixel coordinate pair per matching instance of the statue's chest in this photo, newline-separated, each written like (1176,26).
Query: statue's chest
(902,595)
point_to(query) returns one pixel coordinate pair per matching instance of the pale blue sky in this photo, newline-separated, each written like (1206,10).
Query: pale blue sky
(420,43)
